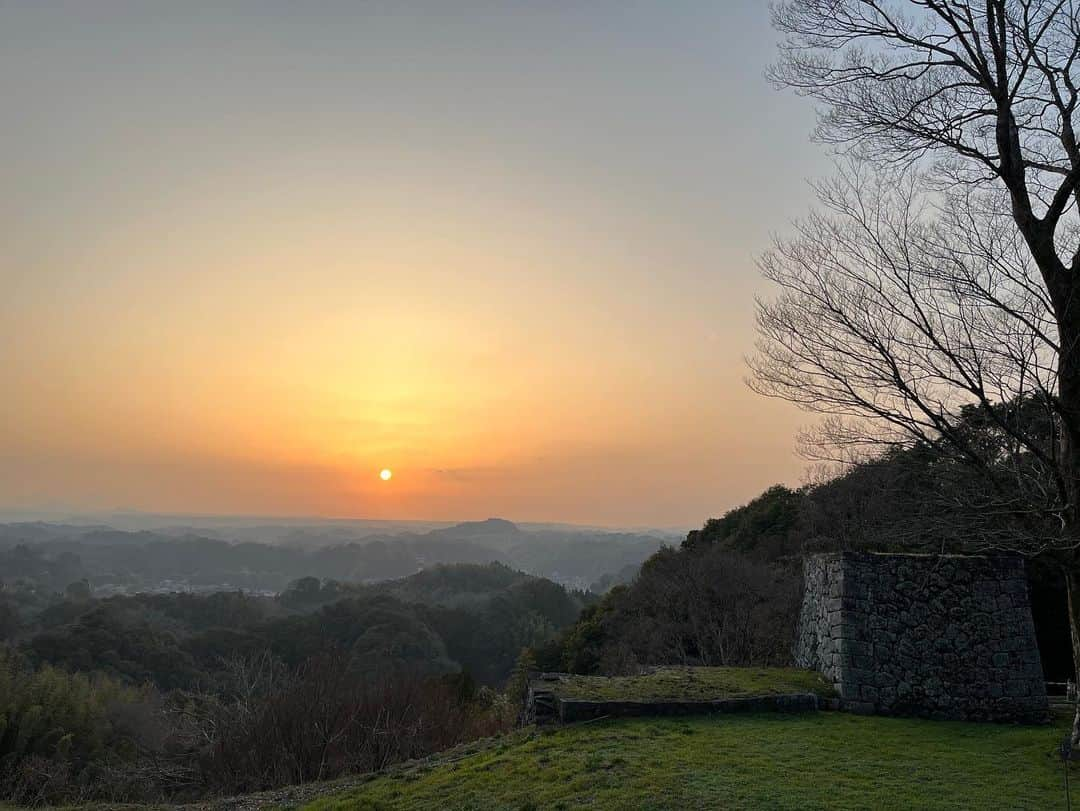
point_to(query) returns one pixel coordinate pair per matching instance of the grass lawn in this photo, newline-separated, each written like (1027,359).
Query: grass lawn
(695,683)
(768,761)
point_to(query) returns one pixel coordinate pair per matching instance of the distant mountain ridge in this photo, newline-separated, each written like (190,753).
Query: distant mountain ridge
(123,561)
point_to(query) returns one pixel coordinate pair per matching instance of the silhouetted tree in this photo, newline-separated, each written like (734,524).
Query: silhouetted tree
(947,276)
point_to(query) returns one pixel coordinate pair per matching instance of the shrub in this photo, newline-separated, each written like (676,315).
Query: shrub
(694,606)
(59,733)
(325,719)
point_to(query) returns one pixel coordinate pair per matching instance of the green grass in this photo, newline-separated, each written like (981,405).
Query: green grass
(695,684)
(768,761)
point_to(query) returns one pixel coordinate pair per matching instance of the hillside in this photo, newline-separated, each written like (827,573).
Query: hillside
(815,761)
(444,619)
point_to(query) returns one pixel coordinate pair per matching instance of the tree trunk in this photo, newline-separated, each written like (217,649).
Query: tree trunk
(1072,590)
(1068,318)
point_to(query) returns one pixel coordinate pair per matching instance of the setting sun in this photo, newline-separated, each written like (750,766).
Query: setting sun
(384,297)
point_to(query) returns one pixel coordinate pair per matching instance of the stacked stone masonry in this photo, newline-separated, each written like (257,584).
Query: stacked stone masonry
(543,705)
(947,637)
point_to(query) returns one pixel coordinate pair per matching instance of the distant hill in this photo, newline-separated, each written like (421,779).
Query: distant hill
(127,561)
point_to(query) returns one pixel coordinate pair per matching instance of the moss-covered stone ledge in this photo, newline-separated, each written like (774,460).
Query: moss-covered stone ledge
(669,691)
(572,710)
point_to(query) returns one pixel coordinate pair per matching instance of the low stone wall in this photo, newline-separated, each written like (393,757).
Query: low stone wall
(574,709)
(541,702)
(947,637)
(544,705)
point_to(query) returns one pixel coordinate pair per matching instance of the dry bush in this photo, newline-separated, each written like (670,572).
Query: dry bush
(324,719)
(75,739)
(691,607)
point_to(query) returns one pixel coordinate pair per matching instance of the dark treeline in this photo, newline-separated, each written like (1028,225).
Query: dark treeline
(449,618)
(156,696)
(730,594)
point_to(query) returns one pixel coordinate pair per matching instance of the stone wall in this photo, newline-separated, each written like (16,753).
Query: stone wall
(544,705)
(573,710)
(927,635)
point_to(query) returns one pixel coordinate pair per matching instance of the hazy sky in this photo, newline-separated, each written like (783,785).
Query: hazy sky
(255,252)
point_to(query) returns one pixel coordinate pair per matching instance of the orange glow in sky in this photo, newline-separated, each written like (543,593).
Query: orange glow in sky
(247,262)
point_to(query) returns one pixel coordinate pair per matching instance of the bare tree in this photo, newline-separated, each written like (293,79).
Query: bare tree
(915,318)
(950,284)
(713,607)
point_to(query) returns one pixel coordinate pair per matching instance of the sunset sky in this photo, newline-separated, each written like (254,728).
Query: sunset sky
(255,253)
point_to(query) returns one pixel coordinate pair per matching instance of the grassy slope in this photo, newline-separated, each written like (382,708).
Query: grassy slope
(819,760)
(696,683)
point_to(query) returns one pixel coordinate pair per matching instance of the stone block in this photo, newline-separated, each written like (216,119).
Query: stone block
(860,707)
(1016,687)
(920,634)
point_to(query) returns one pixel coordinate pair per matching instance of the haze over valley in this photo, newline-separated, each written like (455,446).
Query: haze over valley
(264,557)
